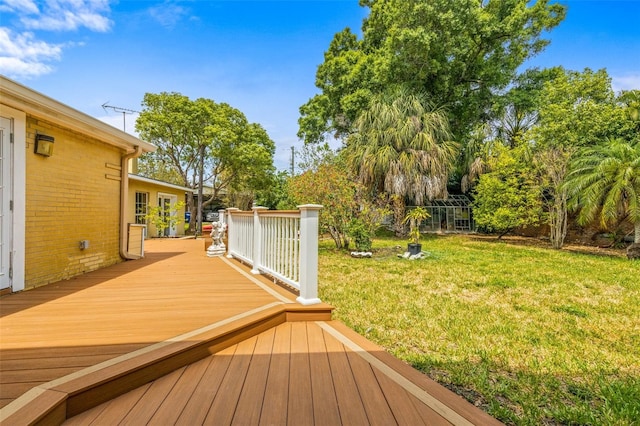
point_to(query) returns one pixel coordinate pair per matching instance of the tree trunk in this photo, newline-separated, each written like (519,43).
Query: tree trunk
(399,210)
(335,235)
(558,220)
(504,233)
(191,208)
(200,192)
(633,251)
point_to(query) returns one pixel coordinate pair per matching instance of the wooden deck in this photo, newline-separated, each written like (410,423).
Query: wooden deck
(179,338)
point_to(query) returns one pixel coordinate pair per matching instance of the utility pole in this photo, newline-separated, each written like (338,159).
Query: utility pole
(293,160)
(124,112)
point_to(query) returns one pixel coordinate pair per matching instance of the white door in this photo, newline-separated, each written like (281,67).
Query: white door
(167,205)
(6,197)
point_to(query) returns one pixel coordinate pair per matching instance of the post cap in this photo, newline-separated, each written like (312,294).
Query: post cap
(310,207)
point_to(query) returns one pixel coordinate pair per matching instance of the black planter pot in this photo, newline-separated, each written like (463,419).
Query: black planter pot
(414,248)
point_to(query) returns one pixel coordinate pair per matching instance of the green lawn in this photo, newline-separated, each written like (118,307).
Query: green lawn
(529,334)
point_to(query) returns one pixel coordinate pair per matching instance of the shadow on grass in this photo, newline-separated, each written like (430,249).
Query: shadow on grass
(544,244)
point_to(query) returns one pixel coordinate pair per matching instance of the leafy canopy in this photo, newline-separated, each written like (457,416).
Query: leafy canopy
(579,109)
(330,186)
(403,147)
(460,53)
(604,183)
(191,135)
(508,197)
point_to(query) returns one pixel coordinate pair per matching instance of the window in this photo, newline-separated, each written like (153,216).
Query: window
(142,207)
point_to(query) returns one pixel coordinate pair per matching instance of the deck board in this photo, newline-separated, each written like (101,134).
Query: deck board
(225,401)
(147,405)
(274,406)
(250,402)
(402,406)
(325,405)
(110,412)
(373,399)
(349,402)
(300,405)
(198,405)
(171,407)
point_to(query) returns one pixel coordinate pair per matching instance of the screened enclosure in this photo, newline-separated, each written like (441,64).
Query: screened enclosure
(452,214)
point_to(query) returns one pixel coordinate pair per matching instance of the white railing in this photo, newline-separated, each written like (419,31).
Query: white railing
(283,244)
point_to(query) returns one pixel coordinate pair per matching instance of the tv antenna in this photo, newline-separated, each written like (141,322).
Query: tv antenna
(124,112)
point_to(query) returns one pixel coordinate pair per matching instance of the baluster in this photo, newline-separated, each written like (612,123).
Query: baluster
(296,242)
(280,237)
(287,264)
(272,243)
(257,240)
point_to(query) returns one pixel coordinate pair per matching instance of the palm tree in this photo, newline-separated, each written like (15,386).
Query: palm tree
(604,181)
(403,146)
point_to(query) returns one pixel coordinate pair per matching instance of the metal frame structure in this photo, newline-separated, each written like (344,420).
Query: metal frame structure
(453,214)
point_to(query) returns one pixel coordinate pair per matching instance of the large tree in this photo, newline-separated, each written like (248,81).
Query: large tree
(204,141)
(460,53)
(604,183)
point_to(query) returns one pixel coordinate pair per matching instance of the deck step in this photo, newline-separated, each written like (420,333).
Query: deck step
(60,399)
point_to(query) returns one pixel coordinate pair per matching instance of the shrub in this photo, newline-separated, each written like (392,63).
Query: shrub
(360,234)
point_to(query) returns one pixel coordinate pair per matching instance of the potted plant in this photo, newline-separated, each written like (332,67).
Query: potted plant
(415,217)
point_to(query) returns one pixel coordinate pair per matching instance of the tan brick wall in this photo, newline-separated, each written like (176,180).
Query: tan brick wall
(153,191)
(73,195)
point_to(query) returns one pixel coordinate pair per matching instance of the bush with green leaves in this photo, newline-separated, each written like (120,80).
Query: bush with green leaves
(508,197)
(343,199)
(163,218)
(360,234)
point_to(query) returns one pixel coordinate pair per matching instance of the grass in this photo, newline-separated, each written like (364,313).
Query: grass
(530,334)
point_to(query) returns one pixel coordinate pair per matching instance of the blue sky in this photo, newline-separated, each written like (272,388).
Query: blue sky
(259,56)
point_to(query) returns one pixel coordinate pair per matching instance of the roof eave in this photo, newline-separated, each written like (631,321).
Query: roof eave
(34,103)
(139,178)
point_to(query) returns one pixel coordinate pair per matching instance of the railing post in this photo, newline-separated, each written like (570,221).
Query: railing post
(257,240)
(309,222)
(231,242)
(221,217)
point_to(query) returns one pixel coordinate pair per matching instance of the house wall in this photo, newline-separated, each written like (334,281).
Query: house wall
(71,196)
(153,190)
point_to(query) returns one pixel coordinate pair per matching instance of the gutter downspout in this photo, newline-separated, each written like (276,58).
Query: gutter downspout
(124,195)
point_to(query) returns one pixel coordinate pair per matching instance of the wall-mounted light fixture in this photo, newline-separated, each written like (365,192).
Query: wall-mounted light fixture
(44,145)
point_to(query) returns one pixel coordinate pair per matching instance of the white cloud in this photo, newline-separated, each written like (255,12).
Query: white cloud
(626,82)
(68,15)
(23,55)
(21,6)
(25,45)
(16,68)
(168,14)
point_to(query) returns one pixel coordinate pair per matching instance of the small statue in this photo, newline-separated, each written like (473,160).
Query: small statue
(217,248)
